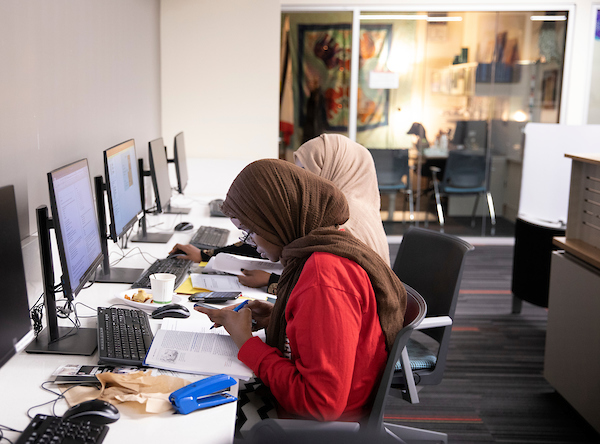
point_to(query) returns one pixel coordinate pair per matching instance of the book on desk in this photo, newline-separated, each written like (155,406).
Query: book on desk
(186,346)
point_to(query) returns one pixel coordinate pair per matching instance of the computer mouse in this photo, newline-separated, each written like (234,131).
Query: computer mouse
(176,254)
(95,410)
(171,311)
(184,226)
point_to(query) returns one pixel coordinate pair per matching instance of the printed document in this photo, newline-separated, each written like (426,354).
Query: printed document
(184,345)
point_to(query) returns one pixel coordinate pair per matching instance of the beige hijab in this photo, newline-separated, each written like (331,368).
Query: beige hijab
(350,167)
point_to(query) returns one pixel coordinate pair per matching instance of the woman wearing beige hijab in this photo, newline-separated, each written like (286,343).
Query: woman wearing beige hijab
(350,167)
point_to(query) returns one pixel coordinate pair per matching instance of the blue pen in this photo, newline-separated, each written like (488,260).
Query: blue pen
(242,305)
(236,309)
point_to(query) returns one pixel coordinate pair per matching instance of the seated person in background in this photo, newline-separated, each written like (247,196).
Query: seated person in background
(350,167)
(339,305)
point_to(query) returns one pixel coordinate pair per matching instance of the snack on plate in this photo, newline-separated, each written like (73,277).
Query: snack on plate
(141,296)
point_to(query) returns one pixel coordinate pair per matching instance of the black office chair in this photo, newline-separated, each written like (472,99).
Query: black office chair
(370,430)
(430,262)
(393,175)
(464,174)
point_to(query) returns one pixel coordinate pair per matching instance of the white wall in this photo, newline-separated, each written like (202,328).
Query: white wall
(220,76)
(76,77)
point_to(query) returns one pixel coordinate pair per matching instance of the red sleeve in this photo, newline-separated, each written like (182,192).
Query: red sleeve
(323,325)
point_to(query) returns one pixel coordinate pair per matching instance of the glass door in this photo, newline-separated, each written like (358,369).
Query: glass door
(430,83)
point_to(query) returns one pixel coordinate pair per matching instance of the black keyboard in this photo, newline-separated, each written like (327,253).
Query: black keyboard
(124,336)
(178,267)
(210,237)
(52,429)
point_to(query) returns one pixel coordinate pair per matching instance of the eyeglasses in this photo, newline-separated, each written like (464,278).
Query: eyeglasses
(246,239)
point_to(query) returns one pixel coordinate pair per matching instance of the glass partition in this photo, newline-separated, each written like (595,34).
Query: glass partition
(433,82)
(594,105)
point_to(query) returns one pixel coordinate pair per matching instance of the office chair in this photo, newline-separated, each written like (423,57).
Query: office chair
(393,175)
(370,429)
(464,174)
(432,263)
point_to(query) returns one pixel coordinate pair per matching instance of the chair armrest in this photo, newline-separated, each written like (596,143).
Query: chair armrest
(434,322)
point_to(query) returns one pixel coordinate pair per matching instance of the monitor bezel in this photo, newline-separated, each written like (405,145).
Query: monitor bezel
(161,204)
(113,226)
(71,293)
(180,159)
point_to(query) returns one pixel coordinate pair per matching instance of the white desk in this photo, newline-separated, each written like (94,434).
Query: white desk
(22,375)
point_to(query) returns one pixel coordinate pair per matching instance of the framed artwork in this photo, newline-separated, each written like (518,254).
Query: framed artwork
(324,53)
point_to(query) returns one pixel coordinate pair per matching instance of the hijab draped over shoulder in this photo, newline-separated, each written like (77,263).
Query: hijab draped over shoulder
(350,166)
(301,212)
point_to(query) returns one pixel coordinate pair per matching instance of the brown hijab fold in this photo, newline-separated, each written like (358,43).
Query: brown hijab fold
(300,212)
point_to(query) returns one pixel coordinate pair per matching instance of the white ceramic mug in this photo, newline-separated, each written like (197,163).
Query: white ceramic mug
(162,285)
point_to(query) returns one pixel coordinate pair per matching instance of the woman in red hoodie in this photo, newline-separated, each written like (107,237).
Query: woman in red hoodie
(339,305)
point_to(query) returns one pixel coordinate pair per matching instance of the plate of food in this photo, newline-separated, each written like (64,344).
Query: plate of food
(142,298)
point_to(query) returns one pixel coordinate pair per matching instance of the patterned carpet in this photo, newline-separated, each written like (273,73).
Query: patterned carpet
(493,389)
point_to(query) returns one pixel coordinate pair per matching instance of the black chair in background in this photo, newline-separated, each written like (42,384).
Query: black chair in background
(372,429)
(464,175)
(393,176)
(432,263)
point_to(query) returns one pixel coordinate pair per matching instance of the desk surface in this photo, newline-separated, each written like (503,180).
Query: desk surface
(21,377)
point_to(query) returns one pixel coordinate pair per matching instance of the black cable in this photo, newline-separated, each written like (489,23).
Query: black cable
(37,314)
(59,396)
(8,429)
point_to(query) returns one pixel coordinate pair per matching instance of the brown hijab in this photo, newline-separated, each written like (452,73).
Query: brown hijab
(301,212)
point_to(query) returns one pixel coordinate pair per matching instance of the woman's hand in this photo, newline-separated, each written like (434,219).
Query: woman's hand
(254,278)
(190,252)
(261,313)
(238,324)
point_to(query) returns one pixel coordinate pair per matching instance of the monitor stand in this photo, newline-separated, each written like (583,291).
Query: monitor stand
(176,210)
(119,275)
(54,339)
(83,343)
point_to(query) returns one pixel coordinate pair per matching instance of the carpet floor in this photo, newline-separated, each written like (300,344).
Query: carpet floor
(493,389)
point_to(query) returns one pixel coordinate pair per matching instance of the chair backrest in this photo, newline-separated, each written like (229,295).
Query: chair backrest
(432,262)
(391,166)
(416,308)
(464,169)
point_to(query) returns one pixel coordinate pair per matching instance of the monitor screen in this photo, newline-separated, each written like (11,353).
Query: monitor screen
(123,187)
(75,224)
(15,324)
(470,133)
(159,171)
(180,162)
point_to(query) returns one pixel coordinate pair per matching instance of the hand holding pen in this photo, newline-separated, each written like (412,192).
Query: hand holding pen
(236,309)
(238,325)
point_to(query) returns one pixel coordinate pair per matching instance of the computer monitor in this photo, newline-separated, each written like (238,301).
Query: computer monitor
(180,160)
(507,138)
(472,134)
(159,171)
(124,205)
(15,325)
(78,239)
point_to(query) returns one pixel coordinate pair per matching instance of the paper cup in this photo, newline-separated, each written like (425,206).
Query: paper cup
(162,285)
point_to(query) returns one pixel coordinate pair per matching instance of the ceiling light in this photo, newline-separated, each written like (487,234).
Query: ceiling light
(548,18)
(444,19)
(392,17)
